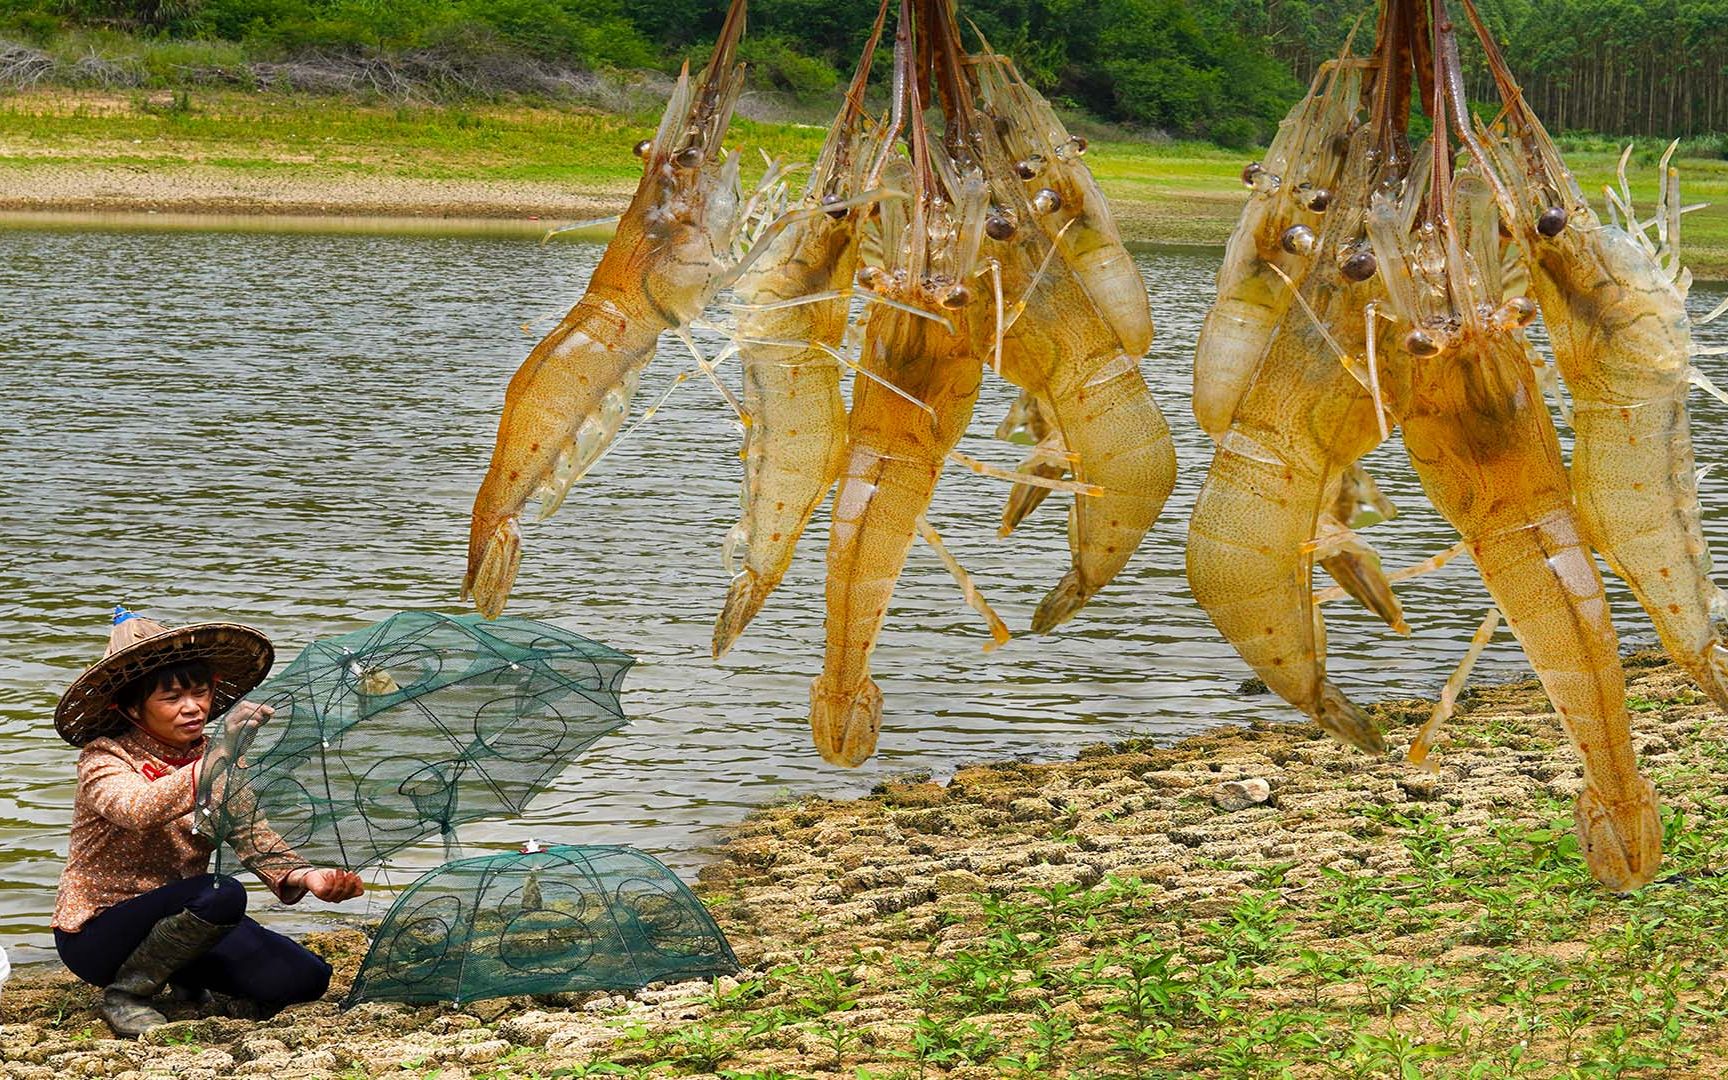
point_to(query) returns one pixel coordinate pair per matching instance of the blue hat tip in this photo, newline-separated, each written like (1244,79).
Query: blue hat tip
(121,614)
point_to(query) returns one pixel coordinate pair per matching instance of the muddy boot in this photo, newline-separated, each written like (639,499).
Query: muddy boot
(170,945)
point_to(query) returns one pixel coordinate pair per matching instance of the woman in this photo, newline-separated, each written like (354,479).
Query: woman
(137,907)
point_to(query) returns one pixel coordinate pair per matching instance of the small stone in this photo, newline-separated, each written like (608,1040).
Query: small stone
(254,1048)
(1030,809)
(1419,786)
(321,1060)
(481,1053)
(950,882)
(1233,795)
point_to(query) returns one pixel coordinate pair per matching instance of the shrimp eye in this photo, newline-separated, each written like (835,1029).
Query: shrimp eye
(999,226)
(1251,172)
(1360,266)
(1319,199)
(1516,312)
(689,158)
(870,278)
(957,297)
(1298,240)
(1552,221)
(1026,170)
(831,207)
(641,149)
(1077,144)
(1046,201)
(1420,343)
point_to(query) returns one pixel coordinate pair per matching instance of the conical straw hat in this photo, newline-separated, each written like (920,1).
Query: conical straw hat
(239,655)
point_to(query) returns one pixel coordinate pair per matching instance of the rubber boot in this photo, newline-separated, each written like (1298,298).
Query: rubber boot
(187,995)
(170,945)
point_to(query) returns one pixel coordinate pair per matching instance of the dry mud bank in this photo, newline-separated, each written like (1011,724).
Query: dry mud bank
(193,189)
(1130,913)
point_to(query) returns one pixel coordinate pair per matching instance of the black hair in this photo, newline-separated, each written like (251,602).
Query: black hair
(131,697)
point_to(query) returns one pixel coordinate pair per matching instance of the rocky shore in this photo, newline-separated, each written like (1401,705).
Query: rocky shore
(1249,902)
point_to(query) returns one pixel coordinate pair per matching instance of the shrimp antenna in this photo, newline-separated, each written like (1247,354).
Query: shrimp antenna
(897,101)
(1450,74)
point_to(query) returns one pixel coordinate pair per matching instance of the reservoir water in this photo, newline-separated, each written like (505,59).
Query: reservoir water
(287,430)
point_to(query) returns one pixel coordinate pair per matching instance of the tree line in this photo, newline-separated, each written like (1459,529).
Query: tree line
(1220,69)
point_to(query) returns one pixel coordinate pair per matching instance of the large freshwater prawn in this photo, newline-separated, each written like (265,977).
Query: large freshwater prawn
(1055,341)
(673,250)
(1616,318)
(1479,434)
(791,322)
(1313,407)
(919,376)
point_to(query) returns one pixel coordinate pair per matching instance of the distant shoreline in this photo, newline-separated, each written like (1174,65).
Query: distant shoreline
(284,162)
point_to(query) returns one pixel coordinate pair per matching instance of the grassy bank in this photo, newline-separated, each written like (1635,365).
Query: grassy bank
(1116,916)
(233,150)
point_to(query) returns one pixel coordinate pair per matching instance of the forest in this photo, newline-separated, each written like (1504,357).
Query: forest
(1224,70)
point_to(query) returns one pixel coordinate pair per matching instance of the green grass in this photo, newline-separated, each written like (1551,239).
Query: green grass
(1178,193)
(1469,984)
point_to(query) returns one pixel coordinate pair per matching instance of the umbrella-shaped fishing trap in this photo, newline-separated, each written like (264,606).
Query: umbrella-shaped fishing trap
(403,730)
(558,919)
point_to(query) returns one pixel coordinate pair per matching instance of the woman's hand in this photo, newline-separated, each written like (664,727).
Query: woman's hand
(329,885)
(247,715)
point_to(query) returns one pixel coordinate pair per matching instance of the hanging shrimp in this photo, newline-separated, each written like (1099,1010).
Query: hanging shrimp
(920,373)
(673,250)
(1313,409)
(1056,343)
(1479,435)
(791,322)
(1622,341)
(1303,420)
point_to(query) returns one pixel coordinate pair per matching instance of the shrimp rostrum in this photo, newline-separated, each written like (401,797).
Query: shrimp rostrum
(673,250)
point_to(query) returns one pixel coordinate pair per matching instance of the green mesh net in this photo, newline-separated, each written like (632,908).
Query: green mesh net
(399,732)
(558,919)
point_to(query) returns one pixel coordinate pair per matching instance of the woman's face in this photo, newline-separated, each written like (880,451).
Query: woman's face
(176,714)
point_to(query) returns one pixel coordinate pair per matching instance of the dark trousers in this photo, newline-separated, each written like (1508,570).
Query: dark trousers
(250,962)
